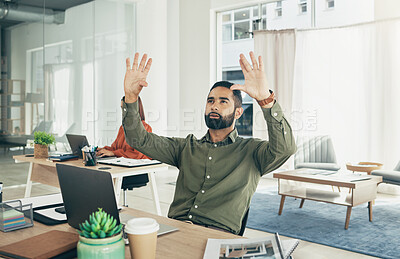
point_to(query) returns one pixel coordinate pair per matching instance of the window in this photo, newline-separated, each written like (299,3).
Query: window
(264,17)
(227,32)
(237,24)
(241,30)
(244,124)
(242,15)
(302,6)
(237,38)
(330,4)
(226,17)
(278,9)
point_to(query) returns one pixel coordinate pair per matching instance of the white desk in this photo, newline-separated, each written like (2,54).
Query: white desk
(44,171)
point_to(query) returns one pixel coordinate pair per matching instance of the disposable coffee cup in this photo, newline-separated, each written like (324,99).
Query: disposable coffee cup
(142,235)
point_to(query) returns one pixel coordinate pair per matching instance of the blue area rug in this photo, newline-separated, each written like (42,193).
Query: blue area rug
(323,223)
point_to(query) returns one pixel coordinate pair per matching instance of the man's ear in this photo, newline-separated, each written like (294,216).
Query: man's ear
(238,112)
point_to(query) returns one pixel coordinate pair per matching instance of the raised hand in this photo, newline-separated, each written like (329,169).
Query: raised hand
(255,84)
(135,77)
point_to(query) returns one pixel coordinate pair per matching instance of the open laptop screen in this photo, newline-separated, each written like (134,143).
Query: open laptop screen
(84,191)
(77,142)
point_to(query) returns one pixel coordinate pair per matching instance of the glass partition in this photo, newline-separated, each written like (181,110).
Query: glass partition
(62,71)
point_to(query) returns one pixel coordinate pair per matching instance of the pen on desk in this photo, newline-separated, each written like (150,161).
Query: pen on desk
(1,192)
(278,241)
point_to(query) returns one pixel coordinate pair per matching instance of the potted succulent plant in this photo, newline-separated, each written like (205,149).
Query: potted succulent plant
(100,237)
(42,141)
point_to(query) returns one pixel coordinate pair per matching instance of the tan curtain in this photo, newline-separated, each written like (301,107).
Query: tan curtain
(278,51)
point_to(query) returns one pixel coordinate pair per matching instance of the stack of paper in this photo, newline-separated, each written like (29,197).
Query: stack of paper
(13,218)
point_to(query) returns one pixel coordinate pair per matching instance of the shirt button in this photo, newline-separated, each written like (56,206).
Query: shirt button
(202,191)
(215,145)
(190,216)
(285,132)
(124,109)
(209,158)
(208,177)
(275,114)
(195,206)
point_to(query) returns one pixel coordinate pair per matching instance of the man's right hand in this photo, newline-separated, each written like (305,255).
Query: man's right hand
(135,77)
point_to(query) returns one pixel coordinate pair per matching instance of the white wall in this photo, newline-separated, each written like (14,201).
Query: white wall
(232,50)
(194,73)
(173,65)
(291,18)
(385,9)
(345,12)
(152,39)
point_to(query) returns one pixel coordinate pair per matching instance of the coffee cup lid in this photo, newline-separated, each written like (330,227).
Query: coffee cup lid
(141,226)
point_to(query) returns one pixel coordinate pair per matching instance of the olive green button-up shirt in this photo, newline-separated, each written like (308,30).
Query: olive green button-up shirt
(216,180)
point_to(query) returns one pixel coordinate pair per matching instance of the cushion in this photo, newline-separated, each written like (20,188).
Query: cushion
(388,176)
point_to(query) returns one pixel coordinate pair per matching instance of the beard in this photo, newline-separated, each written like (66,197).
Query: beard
(221,122)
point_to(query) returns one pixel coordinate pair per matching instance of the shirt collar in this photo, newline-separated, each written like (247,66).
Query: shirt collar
(230,139)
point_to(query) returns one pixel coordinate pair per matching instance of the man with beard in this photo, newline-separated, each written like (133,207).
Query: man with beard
(219,173)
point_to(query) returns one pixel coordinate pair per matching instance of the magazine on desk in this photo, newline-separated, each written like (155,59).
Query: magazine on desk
(128,162)
(253,248)
(336,175)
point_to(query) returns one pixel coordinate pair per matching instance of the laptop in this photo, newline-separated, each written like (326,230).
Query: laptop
(85,190)
(77,142)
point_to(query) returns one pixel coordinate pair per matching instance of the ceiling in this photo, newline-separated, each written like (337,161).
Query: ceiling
(55,5)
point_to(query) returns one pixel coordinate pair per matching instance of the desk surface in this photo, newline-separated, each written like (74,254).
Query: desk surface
(189,242)
(115,170)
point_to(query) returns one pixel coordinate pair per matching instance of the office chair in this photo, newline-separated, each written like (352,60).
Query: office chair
(135,181)
(315,152)
(244,223)
(43,126)
(391,177)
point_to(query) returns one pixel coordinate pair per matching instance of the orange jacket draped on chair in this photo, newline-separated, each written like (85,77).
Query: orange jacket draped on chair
(120,148)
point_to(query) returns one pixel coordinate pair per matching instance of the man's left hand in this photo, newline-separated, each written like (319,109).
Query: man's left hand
(255,84)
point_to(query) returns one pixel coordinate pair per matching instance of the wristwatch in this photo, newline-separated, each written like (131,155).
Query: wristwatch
(268,100)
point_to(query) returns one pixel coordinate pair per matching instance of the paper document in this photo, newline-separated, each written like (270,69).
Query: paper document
(265,247)
(52,214)
(129,162)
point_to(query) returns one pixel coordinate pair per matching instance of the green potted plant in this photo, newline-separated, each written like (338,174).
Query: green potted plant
(42,141)
(100,237)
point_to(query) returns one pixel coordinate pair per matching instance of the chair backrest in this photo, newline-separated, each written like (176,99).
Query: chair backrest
(134,181)
(397,168)
(43,126)
(317,149)
(244,223)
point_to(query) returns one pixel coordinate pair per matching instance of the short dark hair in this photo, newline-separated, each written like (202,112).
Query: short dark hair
(237,96)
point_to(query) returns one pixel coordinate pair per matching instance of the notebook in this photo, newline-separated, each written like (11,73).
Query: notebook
(45,245)
(286,247)
(61,158)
